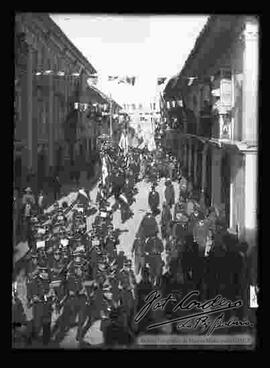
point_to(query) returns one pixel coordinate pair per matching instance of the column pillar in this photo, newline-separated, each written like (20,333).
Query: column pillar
(203,184)
(189,158)
(186,156)
(195,162)
(250,81)
(50,121)
(216,177)
(29,111)
(250,197)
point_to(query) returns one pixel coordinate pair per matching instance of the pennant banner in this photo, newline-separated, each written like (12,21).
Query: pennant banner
(112,78)
(127,80)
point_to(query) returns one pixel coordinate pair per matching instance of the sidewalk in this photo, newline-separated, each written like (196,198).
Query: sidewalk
(73,191)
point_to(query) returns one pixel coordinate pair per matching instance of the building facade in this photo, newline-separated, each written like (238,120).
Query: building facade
(218,86)
(50,76)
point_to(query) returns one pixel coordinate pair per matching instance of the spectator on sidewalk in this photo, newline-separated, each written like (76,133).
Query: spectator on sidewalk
(56,187)
(28,197)
(28,203)
(42,202)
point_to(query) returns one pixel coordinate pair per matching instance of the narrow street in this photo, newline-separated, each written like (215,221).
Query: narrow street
(127,236)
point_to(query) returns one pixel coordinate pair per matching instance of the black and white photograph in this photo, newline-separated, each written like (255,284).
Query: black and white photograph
(135,181)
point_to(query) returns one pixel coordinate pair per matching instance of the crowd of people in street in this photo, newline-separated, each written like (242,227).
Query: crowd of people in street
(77,270)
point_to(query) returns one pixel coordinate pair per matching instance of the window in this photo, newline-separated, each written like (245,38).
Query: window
(133,106)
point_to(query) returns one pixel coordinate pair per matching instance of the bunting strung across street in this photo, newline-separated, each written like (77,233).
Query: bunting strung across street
(112,78)
(127,80)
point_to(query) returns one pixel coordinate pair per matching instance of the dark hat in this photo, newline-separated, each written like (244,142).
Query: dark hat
(128,262)
(114,314)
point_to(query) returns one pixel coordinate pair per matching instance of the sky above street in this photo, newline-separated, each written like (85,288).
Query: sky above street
(143,46)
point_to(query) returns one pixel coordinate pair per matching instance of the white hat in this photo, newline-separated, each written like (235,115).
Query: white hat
(40,244)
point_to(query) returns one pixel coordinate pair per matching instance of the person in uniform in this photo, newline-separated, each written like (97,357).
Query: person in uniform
(153,249)
(57,267)
(153,201)
(169,193)
(180,207)
(40,297)
(166,221)
(171,253)
(75,303)
(148,226)
(32,266)
(138,250)
(127,297)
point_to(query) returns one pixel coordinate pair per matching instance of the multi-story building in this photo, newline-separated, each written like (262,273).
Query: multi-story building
(218,86)
(50,76)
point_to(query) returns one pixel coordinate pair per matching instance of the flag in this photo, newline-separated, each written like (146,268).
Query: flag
(123,197)
(191,80)
(151,145)
(131,80)
(82,197)
(161,81)
(123,143)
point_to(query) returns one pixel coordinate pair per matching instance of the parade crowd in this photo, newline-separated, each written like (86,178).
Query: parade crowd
(75,267)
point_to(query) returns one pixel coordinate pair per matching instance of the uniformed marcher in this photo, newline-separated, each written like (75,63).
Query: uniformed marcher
(40,297)
(166,221)
(153,249)
(148,226)
(138,251)
(153,201)
(169,193)
(57,268)
(75,303)
(179,208)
